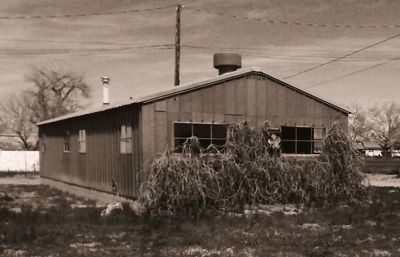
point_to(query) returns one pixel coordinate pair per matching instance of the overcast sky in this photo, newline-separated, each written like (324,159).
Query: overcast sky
(126,46)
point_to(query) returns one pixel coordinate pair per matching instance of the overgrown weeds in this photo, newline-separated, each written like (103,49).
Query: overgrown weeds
(249,171)
(366,228)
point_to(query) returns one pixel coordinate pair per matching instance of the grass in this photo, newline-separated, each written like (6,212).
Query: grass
(49,226)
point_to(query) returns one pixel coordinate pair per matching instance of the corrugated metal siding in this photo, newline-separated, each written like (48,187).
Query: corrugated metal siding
(253,98)
(102,161)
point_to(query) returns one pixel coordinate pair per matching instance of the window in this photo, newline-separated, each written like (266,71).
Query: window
(66,141)
(82,141)
(43,147)
(126,139)
(302,140)
(319,134)
(206,133)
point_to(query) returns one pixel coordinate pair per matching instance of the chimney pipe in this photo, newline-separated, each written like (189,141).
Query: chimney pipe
(106,83)
(227,62)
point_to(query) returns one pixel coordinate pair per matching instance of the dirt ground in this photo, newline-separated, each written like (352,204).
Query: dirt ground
(20,180)
(382,180)
(36,220)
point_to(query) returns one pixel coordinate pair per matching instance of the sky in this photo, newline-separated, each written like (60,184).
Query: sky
(135,49)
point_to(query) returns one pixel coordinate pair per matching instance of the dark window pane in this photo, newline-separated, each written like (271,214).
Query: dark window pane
(304,147)
(178,144)
(66,141)
(288,147)
(218,131)
(219,142)
(201,130)
(182,130)
(288,133)
(304,133)
(205,143)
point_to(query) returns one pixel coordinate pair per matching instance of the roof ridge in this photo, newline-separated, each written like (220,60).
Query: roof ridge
(193,86)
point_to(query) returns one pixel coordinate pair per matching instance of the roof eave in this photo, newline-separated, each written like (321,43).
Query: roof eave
(302,91)
(195,86)
(220,79)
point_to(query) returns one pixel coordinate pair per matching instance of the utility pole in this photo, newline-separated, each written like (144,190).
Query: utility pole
(178,43)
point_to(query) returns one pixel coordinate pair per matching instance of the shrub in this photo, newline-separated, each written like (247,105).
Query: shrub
(247,172)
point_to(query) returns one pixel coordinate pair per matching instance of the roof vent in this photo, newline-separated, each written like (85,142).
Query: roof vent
(227,62)
(106,83)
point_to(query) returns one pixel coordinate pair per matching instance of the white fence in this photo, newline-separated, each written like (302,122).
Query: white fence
(19,161)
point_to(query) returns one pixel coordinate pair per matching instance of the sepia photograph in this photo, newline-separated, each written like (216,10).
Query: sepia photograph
(200,128)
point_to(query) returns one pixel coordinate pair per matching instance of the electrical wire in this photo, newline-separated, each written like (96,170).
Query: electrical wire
(85,52)
(296,23)
(314,85)
(297,57)
(26,40)
(273,49)
(249,51)
(344,56)
(352,73)
(254,52)
(84,14)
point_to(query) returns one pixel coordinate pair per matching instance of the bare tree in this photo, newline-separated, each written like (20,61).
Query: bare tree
(359,128)
(384,123)
(15,120)
(54,94)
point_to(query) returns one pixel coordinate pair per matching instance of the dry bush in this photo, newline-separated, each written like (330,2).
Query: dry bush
(247,172)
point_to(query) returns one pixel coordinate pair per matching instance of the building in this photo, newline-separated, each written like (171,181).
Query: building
(369,149)
(110,149)
(373,149)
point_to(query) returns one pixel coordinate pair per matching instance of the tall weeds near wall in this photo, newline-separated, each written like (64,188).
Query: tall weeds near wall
(248,171)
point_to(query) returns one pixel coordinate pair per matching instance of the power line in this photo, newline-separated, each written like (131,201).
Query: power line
(296,23)
(297,57)
(87,51)
(352,73)
(55,41)
(84,14)
(251,51)
(314,85)
(122,51)
(344,56)
(275,49)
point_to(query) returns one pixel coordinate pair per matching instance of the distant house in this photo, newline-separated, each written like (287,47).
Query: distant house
(110,149)
(372,149)
(395,153)
(369,149)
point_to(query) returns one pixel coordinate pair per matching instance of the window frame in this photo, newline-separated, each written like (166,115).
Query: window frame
(67,141)
(82,141)
(312,140)
(210,138)
(42,146)
(126,133)
(321,140)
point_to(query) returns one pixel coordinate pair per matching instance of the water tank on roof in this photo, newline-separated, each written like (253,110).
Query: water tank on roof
(227,62)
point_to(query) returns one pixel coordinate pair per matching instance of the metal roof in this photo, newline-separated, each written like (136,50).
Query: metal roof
(195,86)
(371,146)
